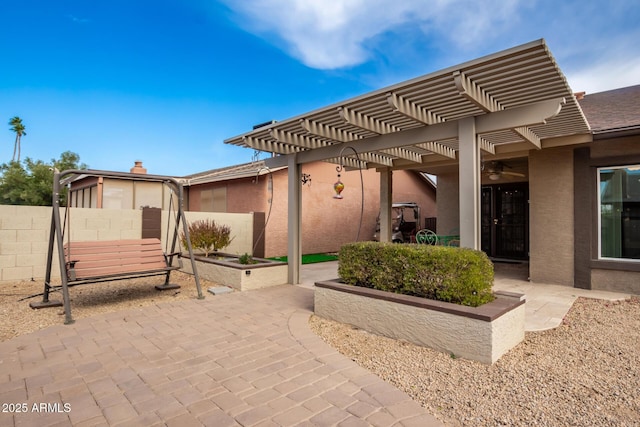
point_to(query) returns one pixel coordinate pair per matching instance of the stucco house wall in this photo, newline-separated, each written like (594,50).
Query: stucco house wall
(327,223)
(448,202)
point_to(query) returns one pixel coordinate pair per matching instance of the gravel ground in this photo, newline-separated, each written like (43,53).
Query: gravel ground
(17,318)
(586,372)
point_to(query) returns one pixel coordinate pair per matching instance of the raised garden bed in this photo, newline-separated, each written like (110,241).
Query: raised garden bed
(481,333)
(227,270)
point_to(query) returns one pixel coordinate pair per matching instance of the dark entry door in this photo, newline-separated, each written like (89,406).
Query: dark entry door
(505,221)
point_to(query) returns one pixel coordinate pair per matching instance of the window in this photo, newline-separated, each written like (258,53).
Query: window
(619,220)
(213,200)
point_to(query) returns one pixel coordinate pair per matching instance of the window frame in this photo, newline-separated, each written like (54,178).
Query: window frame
(600,256)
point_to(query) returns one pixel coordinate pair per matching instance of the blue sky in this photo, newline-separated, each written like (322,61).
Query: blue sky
(166,81)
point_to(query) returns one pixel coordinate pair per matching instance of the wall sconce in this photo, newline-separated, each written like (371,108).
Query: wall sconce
(306,179)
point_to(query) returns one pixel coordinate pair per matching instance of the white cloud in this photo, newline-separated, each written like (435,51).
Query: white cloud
(78,20)
(601,61)
(338,33)
(606,75)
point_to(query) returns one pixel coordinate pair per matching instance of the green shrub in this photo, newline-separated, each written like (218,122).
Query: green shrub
(208,236)
(246,259)
(450,274)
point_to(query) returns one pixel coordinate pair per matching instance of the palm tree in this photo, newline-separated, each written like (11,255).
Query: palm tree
(18,128)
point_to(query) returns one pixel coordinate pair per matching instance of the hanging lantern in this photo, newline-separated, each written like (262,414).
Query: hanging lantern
(338,187)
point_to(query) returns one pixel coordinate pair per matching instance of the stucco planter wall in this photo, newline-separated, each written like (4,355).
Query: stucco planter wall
(482,333)
(228,271)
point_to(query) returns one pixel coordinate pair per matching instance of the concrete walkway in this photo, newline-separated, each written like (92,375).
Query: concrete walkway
(546,304)
(239,359)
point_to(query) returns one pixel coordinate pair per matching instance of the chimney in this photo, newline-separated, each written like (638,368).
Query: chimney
(579,95)
(138,168)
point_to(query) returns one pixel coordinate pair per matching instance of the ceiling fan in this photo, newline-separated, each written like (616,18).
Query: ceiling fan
(494,170)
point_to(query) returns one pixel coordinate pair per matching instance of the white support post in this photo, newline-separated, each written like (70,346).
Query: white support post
(469,174)
(386,195)
(294,215)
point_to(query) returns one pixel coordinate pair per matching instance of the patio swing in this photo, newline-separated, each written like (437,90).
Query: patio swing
(86,262)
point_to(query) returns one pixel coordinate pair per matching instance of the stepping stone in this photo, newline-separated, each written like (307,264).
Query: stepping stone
(219,290)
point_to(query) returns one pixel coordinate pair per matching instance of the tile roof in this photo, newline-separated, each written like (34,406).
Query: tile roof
(617,109)
(243,170)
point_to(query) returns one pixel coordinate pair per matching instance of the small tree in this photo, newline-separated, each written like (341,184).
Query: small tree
(208,236)
(31,182)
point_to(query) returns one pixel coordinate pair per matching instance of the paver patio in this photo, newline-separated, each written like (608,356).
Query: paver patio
(240,359)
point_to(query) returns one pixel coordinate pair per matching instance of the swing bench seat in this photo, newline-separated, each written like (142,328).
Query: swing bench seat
(110,260)
(100,261)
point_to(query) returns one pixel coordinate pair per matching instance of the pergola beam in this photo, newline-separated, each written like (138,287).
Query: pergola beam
(271,146)
(405,154)
(438,148)
(295,139)
(344,136)
(328,132)
(475,94)
(486,146)
(529,136)
(412,110)
(365,122)
(372,158)
(528,115)
(483,100)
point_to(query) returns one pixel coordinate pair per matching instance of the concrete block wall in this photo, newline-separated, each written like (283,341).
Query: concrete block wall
(24,232)
(24,235)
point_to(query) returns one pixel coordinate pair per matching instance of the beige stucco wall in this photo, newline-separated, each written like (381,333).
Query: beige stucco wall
(405,186)
(328,223)
(551,216)
(462,336)
(24,234)
(241,226)
(259,277)
(448,203)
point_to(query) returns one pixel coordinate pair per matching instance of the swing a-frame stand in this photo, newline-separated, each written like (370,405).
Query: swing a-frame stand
(88,262)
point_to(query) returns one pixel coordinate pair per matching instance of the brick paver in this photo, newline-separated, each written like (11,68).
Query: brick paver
(239,359)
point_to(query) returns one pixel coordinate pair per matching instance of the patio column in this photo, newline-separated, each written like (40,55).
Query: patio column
(469,185)
(294,215)
(386,196)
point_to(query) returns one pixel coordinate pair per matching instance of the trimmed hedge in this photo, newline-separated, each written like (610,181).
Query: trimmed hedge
(457,275)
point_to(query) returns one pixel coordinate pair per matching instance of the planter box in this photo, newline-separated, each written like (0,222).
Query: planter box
(228,271)
(482,333)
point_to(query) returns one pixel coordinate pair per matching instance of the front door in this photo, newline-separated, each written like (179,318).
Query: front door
(505,220)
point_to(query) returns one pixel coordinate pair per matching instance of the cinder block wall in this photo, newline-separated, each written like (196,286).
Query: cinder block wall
(24,234)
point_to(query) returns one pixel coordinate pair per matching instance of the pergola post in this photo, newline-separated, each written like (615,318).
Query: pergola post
(294,215)
(386,196)
(469,183)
